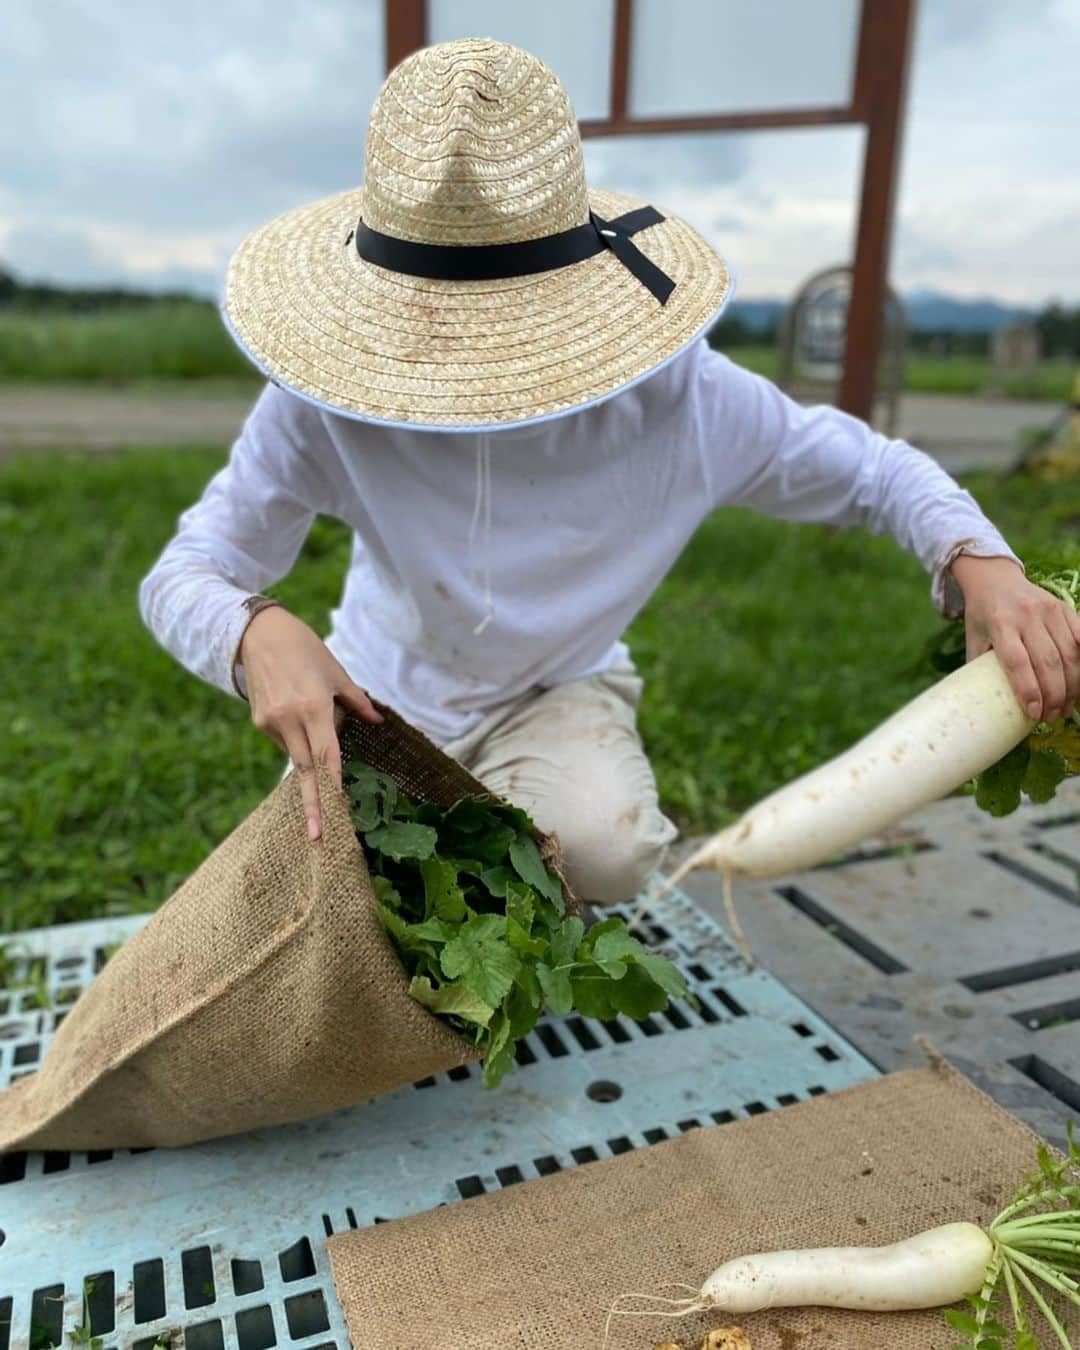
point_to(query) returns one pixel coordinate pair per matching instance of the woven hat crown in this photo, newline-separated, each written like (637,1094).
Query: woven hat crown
(473,142)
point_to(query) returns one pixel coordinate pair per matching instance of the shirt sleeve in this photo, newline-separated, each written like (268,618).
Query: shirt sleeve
(243,535)
(763,450)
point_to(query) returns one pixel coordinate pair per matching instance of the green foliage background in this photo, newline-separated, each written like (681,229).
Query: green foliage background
(768,648)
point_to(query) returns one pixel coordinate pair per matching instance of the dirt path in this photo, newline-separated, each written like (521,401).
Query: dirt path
(90,417)
(963,433)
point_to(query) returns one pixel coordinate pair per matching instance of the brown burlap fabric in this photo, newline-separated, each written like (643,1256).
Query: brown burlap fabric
(536,1266)
(263,991)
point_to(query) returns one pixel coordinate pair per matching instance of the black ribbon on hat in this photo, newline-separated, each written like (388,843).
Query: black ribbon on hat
(493,262)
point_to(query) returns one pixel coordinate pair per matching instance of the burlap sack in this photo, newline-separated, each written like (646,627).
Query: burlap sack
(536,1266)
(263,991)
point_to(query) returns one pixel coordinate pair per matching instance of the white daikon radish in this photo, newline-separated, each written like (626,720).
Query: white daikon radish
(931,1270)
(1031,1251)
(933,745)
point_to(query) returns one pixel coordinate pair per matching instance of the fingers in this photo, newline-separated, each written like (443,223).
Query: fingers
(299,748)
(307,734)
(1016,661)
(354,698)
(1073,620)
(1066,637)
(1049,671)
(976,642)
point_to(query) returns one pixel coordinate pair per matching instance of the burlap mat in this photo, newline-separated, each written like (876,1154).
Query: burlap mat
(535,1267)
(265,990)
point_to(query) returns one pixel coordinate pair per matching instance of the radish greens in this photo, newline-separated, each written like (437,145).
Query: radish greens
(480,924)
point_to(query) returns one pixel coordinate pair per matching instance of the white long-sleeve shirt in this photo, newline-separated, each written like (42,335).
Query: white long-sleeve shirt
(570,531)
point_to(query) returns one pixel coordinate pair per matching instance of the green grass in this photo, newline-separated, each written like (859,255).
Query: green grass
(186,341)
(1050,380)
(173,340)
(768,648)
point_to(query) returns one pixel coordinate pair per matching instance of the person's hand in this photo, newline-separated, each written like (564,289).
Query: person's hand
(1035,635)
(293,683)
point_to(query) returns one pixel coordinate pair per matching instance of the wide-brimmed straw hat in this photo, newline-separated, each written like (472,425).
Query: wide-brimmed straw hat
(474,280)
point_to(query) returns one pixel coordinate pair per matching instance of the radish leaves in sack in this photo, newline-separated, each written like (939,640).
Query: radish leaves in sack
(479,923)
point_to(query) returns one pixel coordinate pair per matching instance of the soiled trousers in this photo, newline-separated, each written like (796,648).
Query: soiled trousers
(571,756)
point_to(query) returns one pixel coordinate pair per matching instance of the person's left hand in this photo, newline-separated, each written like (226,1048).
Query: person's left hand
(1036,636)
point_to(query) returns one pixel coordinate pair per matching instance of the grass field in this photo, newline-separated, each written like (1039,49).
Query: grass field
(167,340)
(187,341)
(768,648)
(1051,380)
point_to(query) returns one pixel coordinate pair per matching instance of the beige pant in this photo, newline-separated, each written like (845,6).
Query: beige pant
(571,756)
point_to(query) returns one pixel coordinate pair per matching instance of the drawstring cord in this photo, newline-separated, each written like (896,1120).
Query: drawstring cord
(482,509)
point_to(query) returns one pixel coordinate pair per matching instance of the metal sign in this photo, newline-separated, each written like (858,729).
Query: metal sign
(813,340)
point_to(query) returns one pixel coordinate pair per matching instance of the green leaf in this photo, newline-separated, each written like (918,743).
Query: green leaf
(500,1053)
(526,981)
(394,924)
(480,957)
(637,994)
(497,880)
(451,1000)
(468,815)
(431,930)
(529,866)
(601,929)
(441,890)
(614,948)
(519,920)
(558,993)
(1046,770)
(662,972)
(962,1321)
(514,816)
(566,940)
(472,867)
(997,789)
(522,1012)
(385,892)
(373,795)
(616,944)
(592,996)
(489,844)
(402,839)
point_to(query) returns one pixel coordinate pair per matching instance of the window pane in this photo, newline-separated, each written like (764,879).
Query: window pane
(574,39)
(741,55)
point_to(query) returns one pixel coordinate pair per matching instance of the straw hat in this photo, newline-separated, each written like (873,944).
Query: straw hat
(474,281)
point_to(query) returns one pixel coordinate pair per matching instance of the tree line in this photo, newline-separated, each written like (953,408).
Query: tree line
(1058,326)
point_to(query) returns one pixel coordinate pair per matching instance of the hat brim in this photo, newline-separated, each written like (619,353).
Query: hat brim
(460,355)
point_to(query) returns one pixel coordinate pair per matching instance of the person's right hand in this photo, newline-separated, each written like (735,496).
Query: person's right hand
(293,682)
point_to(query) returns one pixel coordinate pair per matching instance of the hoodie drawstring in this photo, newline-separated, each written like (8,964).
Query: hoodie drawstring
(482,510)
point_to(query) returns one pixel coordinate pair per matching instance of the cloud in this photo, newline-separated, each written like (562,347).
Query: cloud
(141,142)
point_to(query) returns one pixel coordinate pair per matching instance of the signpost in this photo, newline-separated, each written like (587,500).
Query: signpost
(813,340)
(872,97)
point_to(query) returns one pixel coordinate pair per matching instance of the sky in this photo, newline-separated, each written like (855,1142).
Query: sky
(139,143)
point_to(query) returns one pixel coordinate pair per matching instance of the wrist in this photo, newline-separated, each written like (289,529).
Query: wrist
(971,572)
(256,606)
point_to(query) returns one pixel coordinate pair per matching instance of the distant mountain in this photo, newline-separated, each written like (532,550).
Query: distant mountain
(926,310)
(758,315)
(944,313)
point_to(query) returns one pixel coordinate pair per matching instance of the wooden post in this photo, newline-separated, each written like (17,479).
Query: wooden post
(620,60)
(884,43)
(405,28)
